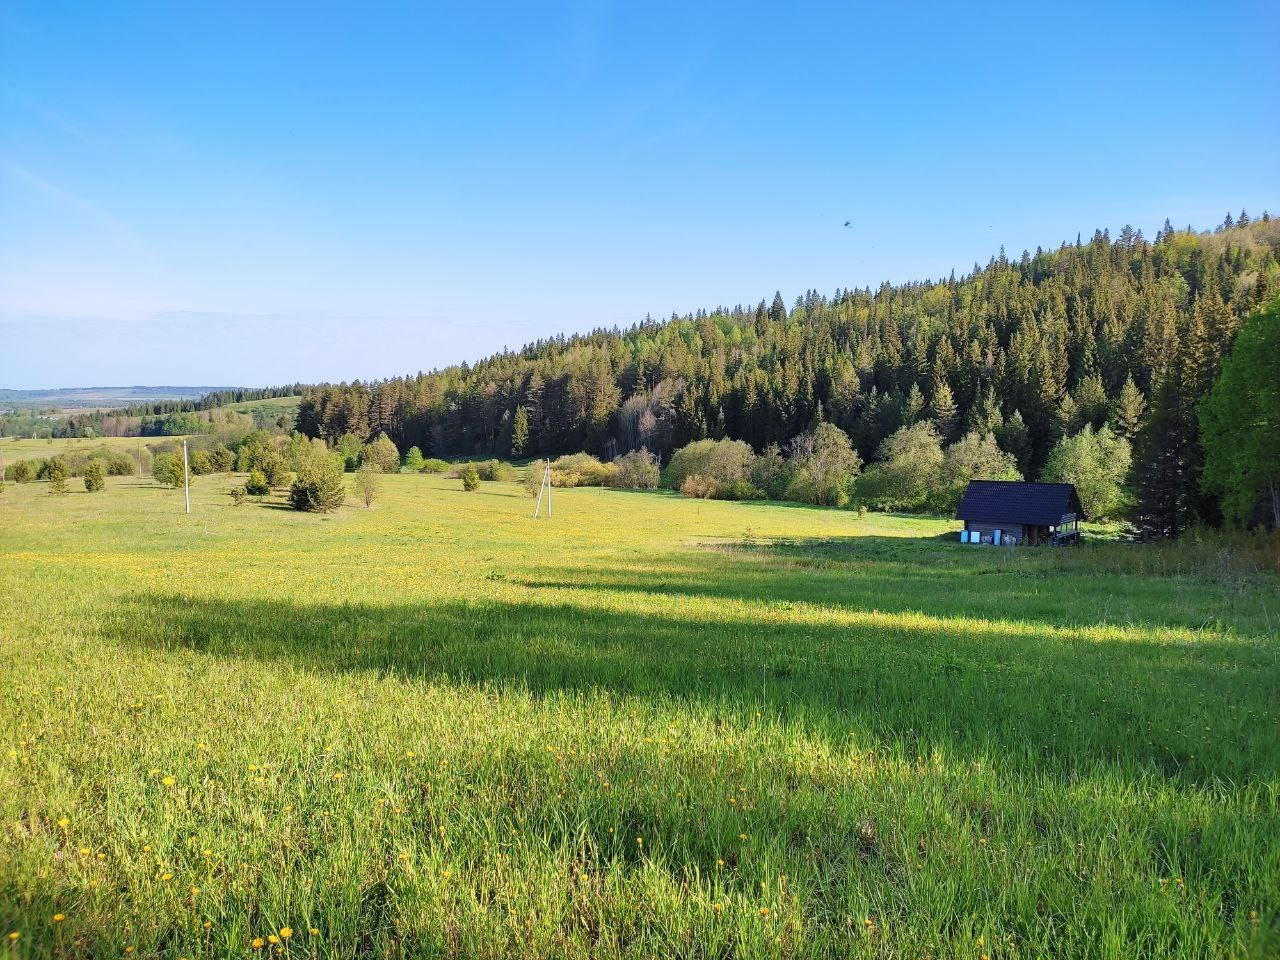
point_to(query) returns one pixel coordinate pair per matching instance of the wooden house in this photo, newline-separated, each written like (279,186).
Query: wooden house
(1009,513)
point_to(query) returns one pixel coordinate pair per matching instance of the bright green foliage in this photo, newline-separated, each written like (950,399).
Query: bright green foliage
(1127,415)
(1240,422)
(319,487)
(351,447)
(724,462)
(470,478)
(454,750)
(433,465)
(382,453)
(975,456)
(580,470)
(166,468)
(57,471)
(23,471)
(824,465)
(413,460)
(256,485)
(95,477)
(519,431)
(908,471)
(1097,462)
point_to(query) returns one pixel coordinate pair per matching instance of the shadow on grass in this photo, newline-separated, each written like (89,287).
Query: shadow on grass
(1028,698)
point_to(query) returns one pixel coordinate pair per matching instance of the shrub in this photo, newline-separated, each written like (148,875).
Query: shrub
(533,477)
(724,461)
(256,485)
(201,462)
(910,469)
(238,495)
(167,469)
(319,487)
(274,467)
(433,465)
(698,486)
(367,482)
(825,464)
(413,460)
(24,471)
(58,476)
(495,470)
(382,453)
(95,478)
(637,470)
(351,448)
(737,490)
(771,472)
(580,470)
(470,478)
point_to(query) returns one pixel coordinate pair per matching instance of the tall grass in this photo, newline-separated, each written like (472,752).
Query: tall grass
(650,726)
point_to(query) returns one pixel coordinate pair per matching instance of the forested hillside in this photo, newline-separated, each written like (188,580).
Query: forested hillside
(1123,331)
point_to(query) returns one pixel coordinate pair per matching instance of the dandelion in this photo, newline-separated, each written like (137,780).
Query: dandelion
(168,781)
(166,877)
(63,822)
(868,923)
(257,943)
(59,917)
(338,775)
(314,932)
(128,949)
(14,935)
(446,874)
(194,891)
(742,836)
(982,841)
(764,911)
(207,853)
(146,848)
(84,851)
(272,939)
(286,933)
(208,924)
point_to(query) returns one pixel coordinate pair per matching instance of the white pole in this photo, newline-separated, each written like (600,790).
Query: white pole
(186,477)
(547,474)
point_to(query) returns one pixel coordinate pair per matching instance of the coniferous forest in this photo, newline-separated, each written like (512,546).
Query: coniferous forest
(1122,331)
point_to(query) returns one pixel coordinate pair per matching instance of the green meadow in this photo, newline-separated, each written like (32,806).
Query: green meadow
(648,726)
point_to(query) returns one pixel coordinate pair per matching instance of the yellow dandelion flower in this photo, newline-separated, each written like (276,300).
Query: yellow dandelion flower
(146,848)
(717,907)
(742,836)
(207,853)
(128,949)
(272,939)
(194,891)
(868,923)
(446,874)
(14,935)
(208,924)
(338,775)
(982,841)
(168,781)
(764,911)
(286,933)
(63,822)
(84,851)
(59,917)
(314,932)
(166,876)
(257,943)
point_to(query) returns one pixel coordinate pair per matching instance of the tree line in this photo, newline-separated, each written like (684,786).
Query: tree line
(1124,334)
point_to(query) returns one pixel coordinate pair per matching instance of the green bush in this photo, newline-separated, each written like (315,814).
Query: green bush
(95,478)
(433,465)
(382,453)
(580,470)
(413,460)
(495,470)
(470,478)
(256,485)
(319,487)
(24,471)
(167,469)
(637,470)
(722,461)
(58,476)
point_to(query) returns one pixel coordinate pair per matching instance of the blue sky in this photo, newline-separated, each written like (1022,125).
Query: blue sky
(250,193)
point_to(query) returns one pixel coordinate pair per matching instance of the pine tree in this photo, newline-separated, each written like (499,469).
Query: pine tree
(1162,475)
(1015,440)
(913,407)
(942,409)
(58,477)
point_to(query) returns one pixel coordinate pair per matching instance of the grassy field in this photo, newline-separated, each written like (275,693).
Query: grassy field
(648,727)
(24,448)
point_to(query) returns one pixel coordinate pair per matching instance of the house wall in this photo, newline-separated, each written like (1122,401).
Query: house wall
(989,529)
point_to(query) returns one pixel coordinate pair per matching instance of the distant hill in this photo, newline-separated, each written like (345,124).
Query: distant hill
(79,398)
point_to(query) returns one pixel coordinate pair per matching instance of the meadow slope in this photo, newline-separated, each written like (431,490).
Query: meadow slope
(648,727)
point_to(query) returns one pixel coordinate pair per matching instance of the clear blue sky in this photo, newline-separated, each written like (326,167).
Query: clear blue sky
(252,193)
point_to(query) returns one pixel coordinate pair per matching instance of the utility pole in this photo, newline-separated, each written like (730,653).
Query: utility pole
(186,477)
(545,485)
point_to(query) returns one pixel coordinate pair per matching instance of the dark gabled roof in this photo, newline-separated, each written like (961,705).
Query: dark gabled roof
(1007,501)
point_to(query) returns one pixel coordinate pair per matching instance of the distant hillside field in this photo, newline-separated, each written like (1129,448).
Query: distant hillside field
(649,725)
(98,397)
(24,448)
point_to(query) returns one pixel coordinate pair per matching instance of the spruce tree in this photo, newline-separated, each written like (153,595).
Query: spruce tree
(1126,414)
(58,477)
(942,409)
